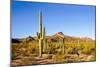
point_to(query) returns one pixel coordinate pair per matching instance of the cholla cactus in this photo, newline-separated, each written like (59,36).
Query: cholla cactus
(41,36)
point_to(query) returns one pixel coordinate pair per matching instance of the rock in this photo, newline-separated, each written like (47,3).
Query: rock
(45,55)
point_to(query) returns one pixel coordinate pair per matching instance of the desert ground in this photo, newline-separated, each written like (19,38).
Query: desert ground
(25,51)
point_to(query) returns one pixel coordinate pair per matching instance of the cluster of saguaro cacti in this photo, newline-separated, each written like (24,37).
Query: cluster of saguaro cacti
(41,36)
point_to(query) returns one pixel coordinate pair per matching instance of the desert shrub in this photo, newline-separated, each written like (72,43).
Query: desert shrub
(69,50)
(60,58)
(88,48)
(24,49)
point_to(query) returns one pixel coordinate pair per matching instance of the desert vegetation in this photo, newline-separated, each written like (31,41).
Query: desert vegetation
(26,51)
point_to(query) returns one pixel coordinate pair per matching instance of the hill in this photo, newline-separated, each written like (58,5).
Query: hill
(55,38)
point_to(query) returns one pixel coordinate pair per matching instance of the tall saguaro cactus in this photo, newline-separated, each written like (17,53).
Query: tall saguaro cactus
(63,46)
(44,40)
(78,42)
(41,36)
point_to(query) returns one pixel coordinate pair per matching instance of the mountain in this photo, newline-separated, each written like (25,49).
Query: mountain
(58,37)
(15,40)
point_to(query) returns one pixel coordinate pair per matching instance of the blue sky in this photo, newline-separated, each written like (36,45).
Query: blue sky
(74,20)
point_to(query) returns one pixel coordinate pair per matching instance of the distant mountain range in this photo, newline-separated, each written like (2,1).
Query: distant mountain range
(59,36)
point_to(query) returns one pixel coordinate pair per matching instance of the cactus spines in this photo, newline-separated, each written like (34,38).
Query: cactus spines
(41,36)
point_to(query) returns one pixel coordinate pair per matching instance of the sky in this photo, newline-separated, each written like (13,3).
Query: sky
(72,20)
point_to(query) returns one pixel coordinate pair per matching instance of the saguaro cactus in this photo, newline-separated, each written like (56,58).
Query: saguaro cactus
(41,35)
(63,46)
(44,40)
(78,42)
